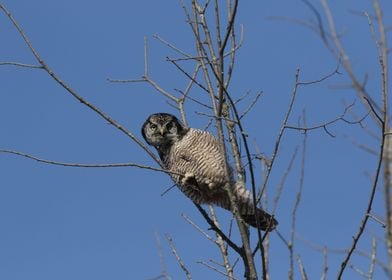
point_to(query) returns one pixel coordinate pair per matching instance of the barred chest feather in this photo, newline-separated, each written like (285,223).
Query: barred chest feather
(198,153)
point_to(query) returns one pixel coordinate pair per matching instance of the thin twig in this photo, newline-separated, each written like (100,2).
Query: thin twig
(222,247)
(242,97)
(22,65)
(251,105)
(199,229)
(178,258)
(185,95)
(215,117)
(278,140)
(196,101)
(282,238)
(358,271)
(297,202)
(367,212)
(124,81)
(164,273)
(326,77)
(325,250)
(161,90)
(325,264)
(147,79)
(173,47)
(73,92)
(235,47)
(377,219)
(216,270)
(283,180)
(324,125)
(100,165)
(168,189)
(234,246)
(341,54)
(361,146)
(320,24)
(372,259)
(304,276)
(229,28)
(176,59)
(190,77)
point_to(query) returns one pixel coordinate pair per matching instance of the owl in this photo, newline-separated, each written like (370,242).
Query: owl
(198,167)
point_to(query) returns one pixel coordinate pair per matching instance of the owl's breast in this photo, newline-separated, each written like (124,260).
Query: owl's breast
(199,153)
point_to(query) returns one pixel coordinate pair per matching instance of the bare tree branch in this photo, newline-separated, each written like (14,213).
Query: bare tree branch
(222,247)
(325,250)
(304,276)
(216,269)
(178,258)
(22,65)
(171,46)
(99,165)
(278,140)
(296,206)
(373,259)
(325,264)
(367,212)
(215,228)
(341,54)
(283,180)
(73,92)
(164,274)
(199,229)
(335,120)
(251,105)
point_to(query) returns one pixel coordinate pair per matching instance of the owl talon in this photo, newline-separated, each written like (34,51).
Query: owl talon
(189,179)
(210,184)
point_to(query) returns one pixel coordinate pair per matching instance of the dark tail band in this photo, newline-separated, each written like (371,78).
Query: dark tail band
(266,221)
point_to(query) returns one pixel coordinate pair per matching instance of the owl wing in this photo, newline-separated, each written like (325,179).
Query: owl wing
(198,153)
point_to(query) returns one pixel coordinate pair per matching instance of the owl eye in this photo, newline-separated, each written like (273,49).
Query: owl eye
(169,126)
(153,127)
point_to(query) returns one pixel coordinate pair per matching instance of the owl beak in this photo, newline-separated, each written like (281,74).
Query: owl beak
(162,131)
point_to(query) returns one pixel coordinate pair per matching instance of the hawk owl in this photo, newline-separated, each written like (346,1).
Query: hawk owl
(198,165)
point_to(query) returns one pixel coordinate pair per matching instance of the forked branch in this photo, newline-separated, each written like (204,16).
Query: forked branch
(71,91)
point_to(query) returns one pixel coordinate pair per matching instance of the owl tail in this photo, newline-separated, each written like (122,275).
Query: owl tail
(245,204)
(266,221)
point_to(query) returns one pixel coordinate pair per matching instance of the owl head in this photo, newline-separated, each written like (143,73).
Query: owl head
(162,129)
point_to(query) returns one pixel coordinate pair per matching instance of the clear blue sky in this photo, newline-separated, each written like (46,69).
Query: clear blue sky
(77,223)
